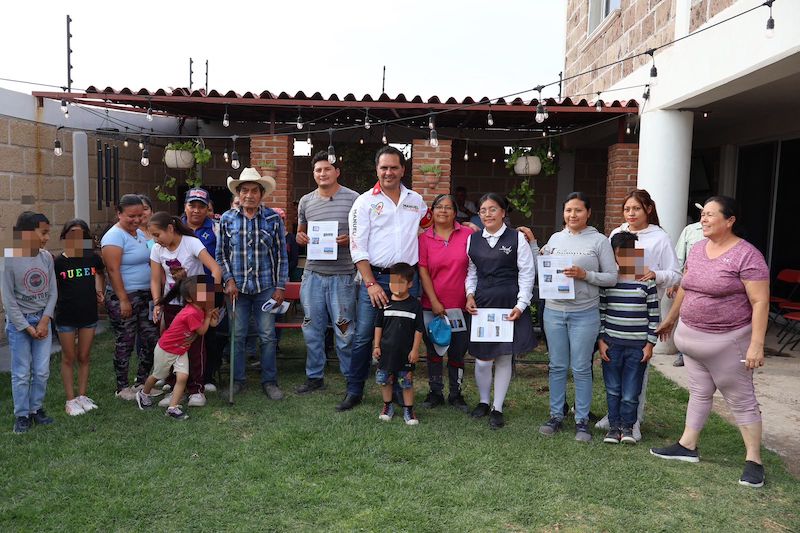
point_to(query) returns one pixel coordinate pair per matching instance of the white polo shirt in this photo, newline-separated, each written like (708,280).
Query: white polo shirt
(384,233)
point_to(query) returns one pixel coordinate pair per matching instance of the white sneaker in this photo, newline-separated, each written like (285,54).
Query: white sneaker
(73,408)
(166,387)
(210,387)
(165,401)
(160,383)
(128,394)
(603,424)
(86,403)
(637,431)
(197,400)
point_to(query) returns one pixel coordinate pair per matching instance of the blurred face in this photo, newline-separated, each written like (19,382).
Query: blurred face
(492,215)
(390,172)
(250,195)
(635,214)
(74,242)
(576,216)
(714,223)
(444,213)
(630,261)
(131,217)
(146,214)
(196,213)
(204,296)
(325,174)
(399,285)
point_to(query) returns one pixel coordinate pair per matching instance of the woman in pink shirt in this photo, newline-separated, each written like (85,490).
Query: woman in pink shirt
(723,305)
(443,266)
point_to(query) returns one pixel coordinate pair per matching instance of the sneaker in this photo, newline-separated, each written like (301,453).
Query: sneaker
(409,416)
(166,400)
(613,436)
(753,475)
(603,424)
(496,420)
(272,391)
(350,401)
(74,408)
(637,431)
(433,399)
(128,394)
(160,383)
(582,433)
(458,401)
(210,387)
(387,412)
(177,413)
(40,418)
(481,410)
(551,427)
(144,400)
(627,436)
(678,360)
(677,452)
(22,424)
(86,403)
(166,387)
(237,388)
(197,400)
(311,385)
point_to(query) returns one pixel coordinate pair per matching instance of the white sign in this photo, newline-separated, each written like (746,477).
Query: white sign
(492,325)
(553,284)
(322,240)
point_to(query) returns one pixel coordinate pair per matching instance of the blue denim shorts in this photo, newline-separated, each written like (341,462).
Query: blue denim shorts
(73,329)
(404,378)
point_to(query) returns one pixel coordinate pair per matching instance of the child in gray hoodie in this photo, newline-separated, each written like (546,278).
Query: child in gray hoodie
(29,299)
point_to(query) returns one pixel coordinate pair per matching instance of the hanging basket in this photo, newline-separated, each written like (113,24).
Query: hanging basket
(527,165)
(178,159)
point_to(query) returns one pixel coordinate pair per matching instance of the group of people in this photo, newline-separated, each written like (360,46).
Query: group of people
(399,268)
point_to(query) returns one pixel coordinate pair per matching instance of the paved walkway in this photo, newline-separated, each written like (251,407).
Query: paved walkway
(778,392)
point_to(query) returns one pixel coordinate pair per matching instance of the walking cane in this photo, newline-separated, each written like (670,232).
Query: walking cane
(233,343)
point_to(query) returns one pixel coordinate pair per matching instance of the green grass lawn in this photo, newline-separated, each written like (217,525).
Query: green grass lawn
(299,465)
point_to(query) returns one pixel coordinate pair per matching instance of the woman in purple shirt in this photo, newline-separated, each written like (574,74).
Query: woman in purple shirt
(723,305)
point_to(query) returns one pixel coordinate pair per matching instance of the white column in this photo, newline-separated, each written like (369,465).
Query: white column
(665,156)
(80,175)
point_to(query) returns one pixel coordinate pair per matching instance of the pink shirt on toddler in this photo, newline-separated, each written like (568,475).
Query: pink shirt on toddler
(715,299)
(180,334)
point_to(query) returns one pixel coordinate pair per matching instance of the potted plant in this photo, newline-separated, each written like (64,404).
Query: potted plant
(269,168)
(521,198)
(181,155)
(436,170)
(530,161)
(177,155)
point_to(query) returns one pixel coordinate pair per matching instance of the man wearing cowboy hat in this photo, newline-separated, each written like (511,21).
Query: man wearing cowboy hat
(252,253)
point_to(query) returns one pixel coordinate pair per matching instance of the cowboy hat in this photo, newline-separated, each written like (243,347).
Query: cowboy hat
(251,175)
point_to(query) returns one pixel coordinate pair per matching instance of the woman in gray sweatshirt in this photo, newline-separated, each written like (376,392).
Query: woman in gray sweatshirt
(572,326)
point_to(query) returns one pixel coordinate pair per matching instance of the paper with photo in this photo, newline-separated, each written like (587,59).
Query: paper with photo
(553,284)
(492,325)
(456,319)
(269,307)
(322,240)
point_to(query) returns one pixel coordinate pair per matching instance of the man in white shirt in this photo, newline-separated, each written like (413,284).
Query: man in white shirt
(384,225)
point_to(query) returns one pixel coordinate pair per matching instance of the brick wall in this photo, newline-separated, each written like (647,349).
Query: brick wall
(623,171)
(591,169)
(702,10)
(278,150)
(636,27)
(429,185)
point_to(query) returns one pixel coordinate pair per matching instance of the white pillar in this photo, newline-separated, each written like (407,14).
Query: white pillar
(665,157)
(80,175)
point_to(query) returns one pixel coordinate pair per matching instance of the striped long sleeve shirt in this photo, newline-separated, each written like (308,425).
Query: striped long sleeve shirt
(629,313)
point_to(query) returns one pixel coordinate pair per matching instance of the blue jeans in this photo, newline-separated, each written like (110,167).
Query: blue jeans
(570,343)
(30,366)
(365,333)
(328,299)
(248,305)
(623,377)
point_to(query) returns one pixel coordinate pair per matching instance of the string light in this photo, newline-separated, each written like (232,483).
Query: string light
(384,138)
(308,139)
(226,118)
(145,157)
(57,148)
(141,144)
(646,93)
(550,154)
(466,151)
(494,160)
(125,143)
(627,128)
(66,113)
(149,115)
(299,121)
(235,163)
(431,125)
(653,69)
(225,156)
(770,21)
(64,106)
(599,104)
(489,119)
(367,123)
(541,112)
(434,139)
(361,140)
(331,149)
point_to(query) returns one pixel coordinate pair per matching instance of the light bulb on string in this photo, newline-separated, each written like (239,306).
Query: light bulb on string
(550,154)
(434,139)
(141,144)
(653,69)
(384,138)
(57,148)
(235,163)
(226,118)
(466,155)
(145,157)
(489,118)
(331,154)
(367,123)
(770,23)
(494,160)
(361,140)
(66,113)
(225,156)
(64,106)
(540,113)
(599,104)
(125,143)
(627,128)
(431,125)
(149,115)
(299,121)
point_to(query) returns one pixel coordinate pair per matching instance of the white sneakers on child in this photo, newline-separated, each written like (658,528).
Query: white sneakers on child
(197,400)
(127,394)
(73,408)
(86,403)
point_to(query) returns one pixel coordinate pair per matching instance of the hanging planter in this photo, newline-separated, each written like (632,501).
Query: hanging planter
(182,159)
(268,168)
(528,165)
(532,161)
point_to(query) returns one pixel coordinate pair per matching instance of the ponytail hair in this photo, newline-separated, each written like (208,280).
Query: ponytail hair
(186,288)
(643,198)
(162,220)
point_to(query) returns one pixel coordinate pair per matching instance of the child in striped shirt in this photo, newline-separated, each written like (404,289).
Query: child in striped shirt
(629,317)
